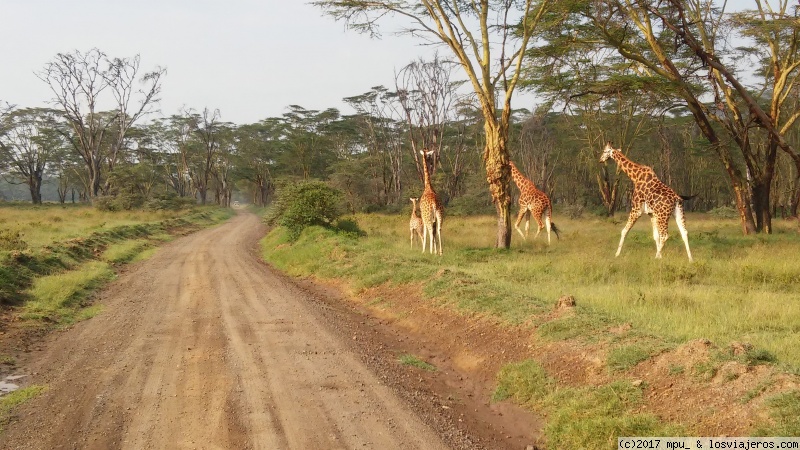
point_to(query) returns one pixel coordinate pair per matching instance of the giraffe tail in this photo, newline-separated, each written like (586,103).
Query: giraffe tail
(555,230)
(687,197)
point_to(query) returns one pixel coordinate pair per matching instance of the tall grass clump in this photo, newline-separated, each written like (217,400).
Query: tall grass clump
(58,298)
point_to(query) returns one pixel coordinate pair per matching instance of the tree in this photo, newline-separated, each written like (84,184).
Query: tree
(680,50)
(488,40)
(82,84)
(29,140)
(207,129)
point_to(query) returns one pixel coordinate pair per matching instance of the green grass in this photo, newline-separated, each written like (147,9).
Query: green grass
(11,400)
(125,251)
(784,415)
(59,298)
(626,356)
(585,418)
(411,360)
(49,264)
(740,288)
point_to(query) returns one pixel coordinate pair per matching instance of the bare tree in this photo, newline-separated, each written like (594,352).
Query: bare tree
(82,84)
(488,40)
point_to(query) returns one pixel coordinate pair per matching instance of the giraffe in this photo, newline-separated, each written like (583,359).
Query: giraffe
(533,202)
(430,208)
(650,196)
(415,224)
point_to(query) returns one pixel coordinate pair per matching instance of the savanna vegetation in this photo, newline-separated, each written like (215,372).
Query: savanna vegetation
(706,95)
(53,257)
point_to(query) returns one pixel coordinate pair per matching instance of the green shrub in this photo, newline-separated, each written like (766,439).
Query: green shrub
(169,202)
(301,205)
(724,212)
(120,202)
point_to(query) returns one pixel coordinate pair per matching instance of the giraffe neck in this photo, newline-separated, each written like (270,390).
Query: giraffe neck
(518,178)
(427,177)
(629,167)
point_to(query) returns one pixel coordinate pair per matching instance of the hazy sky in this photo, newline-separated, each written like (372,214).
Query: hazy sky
(249,58)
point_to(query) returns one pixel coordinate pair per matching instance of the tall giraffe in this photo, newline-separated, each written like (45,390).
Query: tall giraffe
(534,201)
(650,196)
(415,223)
(430,208)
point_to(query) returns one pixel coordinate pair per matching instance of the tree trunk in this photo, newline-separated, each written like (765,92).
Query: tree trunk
(35,185)
(745,212)
(761,206)
(498,175)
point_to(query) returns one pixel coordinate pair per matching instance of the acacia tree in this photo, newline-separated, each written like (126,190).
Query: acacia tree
(82,84)
(29,141)
(207,129)
(488,39)
(381,132)
(681,50)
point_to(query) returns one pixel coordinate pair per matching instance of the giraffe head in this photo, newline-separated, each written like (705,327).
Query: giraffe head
(608,152)
(413,202)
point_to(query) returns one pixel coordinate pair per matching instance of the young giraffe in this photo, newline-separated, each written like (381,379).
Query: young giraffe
(415,224)
(534,201)
(650,196)
(430,208)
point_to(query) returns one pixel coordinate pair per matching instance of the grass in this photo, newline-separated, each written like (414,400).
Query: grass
(411,360)
(59,298)
(784,415)
(626,356)
(49,264)
(126,251)
(11,400)
(585,418)
(740,288)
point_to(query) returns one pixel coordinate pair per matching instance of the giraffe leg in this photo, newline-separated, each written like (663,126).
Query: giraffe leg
(528,222)
(656,236)
(521,214)
(412,238)
(439,230)
(663,234)
(547,224)
(539,223)
(432,246)
(424,236)
(682,227)
(632,218)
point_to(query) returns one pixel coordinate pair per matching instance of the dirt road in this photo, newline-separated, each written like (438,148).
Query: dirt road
(202,346)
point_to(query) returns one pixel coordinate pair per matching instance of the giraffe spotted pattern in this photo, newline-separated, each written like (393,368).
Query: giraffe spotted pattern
(650,196)
(415,223)
(430,208)
(533,201)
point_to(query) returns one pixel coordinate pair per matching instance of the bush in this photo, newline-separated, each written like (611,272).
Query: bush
(724,212)
(573,211)
(301,205)
(169,202)
(121,202)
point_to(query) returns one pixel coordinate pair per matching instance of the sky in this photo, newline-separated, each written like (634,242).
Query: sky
(250,59)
